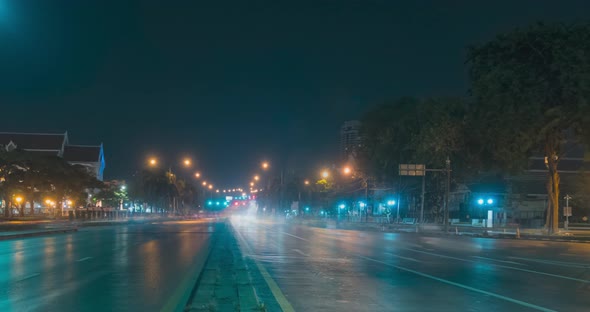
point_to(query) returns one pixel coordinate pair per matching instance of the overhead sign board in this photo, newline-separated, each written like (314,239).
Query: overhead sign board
(412,169)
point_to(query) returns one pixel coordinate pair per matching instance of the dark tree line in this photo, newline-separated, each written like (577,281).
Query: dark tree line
(529,88)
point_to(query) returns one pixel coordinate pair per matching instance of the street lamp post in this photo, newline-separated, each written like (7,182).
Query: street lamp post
(448,169)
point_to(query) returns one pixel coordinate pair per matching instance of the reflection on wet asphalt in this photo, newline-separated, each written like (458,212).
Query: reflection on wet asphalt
(339,270)
(115,268)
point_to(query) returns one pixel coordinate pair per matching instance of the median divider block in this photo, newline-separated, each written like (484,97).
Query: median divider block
(225,283)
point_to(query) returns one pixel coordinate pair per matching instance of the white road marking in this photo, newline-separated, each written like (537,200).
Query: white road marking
(559,263)
(402,257)
(503,261)
(506,267)
(83,259)
(481,291)
(28,276)
(300,252)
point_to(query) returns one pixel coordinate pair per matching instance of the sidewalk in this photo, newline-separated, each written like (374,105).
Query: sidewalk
(32,233)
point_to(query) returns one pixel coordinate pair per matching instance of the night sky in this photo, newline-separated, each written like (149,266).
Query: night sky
(232,82)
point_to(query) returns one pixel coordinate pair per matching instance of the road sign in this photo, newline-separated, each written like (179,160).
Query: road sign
(567,211)
(412,170)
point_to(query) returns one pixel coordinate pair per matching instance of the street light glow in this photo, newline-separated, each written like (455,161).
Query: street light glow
(256,177)
(251,183)
(480,201)
(347,170)
(391,202)
(153,161)
(216,191)
(265,165)
(197,175)
(490,201)
(204,183)
(210,186)
(325,174)
(306,182)
(19,199)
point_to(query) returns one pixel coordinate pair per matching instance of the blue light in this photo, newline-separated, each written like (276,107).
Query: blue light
(342,206)
(391,203)
(480,201)
(306,208)
(362,205)
(209,203)
(490,201)
(217,203)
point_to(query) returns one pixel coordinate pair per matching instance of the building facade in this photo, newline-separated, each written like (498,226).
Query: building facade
(350,139)
(57,144)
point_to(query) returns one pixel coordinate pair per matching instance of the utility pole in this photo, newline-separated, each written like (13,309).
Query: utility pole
(446,212)
(422,201)
(567,211)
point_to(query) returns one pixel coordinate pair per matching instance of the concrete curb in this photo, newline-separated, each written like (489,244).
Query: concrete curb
(39,233)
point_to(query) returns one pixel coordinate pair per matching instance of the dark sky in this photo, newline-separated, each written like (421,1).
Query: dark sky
(232,82)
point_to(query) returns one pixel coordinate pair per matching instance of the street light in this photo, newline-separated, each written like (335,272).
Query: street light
(325,174)
(251,183)
(204,183)
(153,161)
(490,201)
(210,186)
(18,199)
(197,175)
(187,162)
(265,165)
(347,170)
(391,203)
(480,201)
(216,191)
(256,177)
(306,182)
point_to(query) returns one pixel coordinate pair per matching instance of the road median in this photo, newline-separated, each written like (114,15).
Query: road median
(225,283)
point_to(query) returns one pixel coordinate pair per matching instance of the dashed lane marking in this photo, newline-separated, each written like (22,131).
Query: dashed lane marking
(505,266)
(481,291)
(84,259)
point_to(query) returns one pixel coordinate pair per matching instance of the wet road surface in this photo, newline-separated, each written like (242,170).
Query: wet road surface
(337,270)
(113,268)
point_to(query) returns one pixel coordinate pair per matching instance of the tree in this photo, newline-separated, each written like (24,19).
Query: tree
(531,88)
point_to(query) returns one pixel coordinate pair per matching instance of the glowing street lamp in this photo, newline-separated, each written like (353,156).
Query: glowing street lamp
(325,174)
(187,162)
(265,165)
(197,175)
(346,170)
(204,183)
(153,161)
(210,186)
(256,178)
(216,191)
(306,182)
(391,203)
(251,183)
(18,199)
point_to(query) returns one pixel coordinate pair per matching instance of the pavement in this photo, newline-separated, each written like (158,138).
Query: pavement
(318,269)
(136,267)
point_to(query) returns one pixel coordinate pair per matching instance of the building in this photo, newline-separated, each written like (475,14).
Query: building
(57,144)
(89,156)
(43,143)
(350,139)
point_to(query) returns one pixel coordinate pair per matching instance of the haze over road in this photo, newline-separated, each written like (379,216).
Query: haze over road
(114,268)
(338,270)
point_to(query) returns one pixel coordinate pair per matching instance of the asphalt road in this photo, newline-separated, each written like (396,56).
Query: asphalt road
(144,267)
(317,269)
